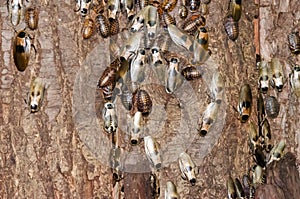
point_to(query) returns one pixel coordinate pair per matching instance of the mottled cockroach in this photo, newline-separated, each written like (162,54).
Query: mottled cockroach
(277,74)
(114,26)
(272,106)
(131,45)
(155,187)
(263,76)
(103,25)
(258,175)
(253,138)
(169,5)
(173,78)
(115,163)
(259,157)
(194,5)
(266,133)
(294,42)
(32,18)
(21,50)
(137,68)
(188,168)
(83,6)
(107,83)
(88,28)
(136,130)
(277,152)
(202,37)
(110,118)
(152,150)
(236,7)
(231,192)
(156,56)
(245,103)
(231,27)
(113,7)
(171,191)
(126,97)
(183,12)
(191,73)
(130,9)
(208,118)
(239,189)
(138,20)
(295,79)
(193,23)
(260,110)
(143,102)
(167,19)
(217,87)
(152,22)
(36,94)
(180,38)
(15,8)
(158,64)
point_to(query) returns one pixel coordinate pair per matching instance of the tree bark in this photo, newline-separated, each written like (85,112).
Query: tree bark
(62,151)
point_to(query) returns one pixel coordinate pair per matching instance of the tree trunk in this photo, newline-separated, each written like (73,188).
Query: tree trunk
(62,150)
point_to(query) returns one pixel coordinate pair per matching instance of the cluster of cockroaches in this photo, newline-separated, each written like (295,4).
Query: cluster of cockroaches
(260,144)
(95,15)
(22,48)
(124,77)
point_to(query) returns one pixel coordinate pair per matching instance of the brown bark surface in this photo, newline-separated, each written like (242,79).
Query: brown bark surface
(62,151)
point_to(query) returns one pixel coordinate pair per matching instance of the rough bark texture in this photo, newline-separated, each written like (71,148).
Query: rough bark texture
(61,151)
(282,180)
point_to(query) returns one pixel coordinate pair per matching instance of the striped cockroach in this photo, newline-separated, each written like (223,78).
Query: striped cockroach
(103,25)
(193,23)
(142,101)
(272,106)
(32,17)
(191,73)
(231,28)
(294,42)
(88,28)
